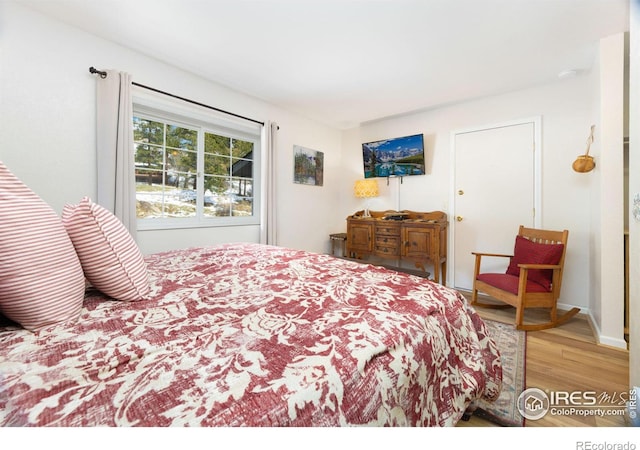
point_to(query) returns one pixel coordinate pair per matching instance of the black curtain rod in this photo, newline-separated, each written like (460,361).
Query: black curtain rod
(103,74)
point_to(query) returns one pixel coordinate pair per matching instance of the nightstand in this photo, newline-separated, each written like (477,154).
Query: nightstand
(341,240)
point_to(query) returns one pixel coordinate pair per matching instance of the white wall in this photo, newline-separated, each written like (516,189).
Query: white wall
(47,115)
(634,189)
(608,306)
(568,108)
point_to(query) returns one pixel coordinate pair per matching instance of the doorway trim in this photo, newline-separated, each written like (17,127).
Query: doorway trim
(537,180)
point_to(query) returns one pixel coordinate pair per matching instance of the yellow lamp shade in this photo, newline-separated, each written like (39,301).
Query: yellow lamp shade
(366,188)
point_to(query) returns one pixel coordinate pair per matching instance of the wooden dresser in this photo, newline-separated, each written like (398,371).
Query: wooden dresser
(420,237)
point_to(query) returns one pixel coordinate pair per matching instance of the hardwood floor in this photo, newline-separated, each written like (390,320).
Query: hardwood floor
(568,358)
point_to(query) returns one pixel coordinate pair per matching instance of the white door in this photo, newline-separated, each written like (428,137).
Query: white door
(495,191)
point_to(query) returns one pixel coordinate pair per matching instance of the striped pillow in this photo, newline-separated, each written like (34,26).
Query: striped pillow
(41,280)
(110,258)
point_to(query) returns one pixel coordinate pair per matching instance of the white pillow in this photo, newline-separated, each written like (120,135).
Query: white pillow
(110,258)
(41,280)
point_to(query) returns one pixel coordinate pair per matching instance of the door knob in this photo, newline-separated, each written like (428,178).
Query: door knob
(459,218)
(460,192)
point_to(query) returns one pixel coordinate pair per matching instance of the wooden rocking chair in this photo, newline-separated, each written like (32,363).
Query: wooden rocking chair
(533,278)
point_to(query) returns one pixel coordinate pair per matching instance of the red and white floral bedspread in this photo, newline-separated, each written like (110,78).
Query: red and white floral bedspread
(251,335)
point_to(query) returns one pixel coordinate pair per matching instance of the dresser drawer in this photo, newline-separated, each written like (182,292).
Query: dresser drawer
(383,250)
(387,230)
(387,241)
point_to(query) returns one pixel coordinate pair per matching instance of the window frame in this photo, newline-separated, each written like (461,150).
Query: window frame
(168,111)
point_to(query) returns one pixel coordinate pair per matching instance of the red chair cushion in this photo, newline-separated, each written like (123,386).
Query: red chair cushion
(509,283)
(528,252)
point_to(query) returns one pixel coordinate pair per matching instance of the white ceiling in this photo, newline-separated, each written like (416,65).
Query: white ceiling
(345,62)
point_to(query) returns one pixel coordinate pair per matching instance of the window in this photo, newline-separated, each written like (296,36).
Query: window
(194,171)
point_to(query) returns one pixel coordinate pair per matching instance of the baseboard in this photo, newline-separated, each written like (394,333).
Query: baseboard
(607,341)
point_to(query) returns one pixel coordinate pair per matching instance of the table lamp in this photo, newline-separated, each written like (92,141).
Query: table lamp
(366,188)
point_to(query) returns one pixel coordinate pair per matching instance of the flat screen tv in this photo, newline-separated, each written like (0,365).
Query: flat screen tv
(397,157)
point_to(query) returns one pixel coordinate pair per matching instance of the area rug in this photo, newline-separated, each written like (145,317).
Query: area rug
(512,345)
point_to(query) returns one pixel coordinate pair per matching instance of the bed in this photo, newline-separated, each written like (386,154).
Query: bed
(254,335)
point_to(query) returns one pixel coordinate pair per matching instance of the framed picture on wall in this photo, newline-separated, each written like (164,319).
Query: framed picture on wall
(308,166)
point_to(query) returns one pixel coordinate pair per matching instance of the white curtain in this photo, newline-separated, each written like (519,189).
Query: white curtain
(116,175)
(268,223)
